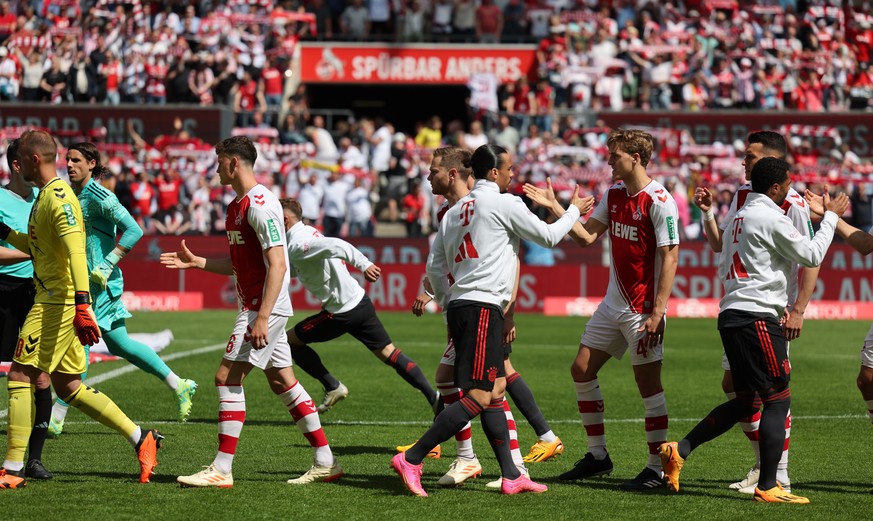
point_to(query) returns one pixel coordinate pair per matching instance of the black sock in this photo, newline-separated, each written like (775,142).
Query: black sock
(307,359)
(43,414)
(409,371)
(497,432)
(717,422)
(524,401)
(772,436)
(450,421)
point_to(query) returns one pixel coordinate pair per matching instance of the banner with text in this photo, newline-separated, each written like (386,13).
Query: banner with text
(845,275)
(411,64)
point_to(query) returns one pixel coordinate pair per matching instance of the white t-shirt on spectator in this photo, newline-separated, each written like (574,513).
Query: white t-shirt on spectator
(360,208)
(335,194)
(381,150)
(310,197)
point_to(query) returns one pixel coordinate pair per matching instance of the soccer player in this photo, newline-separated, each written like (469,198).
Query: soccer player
(450,178)
(16,299)
(61,319)
(477,244)
(863,242)
(104,217)
(641,218)
(759,252)
(319,263)
(763,143)
(258,261)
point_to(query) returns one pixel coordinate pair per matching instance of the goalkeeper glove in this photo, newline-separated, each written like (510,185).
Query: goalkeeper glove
(100,274)
(84,322)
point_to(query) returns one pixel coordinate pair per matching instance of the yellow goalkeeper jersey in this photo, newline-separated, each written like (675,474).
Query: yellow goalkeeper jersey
(55,214)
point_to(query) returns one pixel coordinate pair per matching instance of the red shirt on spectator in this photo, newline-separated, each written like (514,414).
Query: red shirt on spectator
(248,95)
(142,193)
(412,205)
(7,25)
(168,192)
(489,15)
(273,81)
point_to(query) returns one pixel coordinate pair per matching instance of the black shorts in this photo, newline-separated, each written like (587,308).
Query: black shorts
(361,322)
(16,299)
(756,349)
(477,331)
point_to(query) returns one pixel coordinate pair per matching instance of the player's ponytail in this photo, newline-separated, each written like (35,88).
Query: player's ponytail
(485,158)
(90,152)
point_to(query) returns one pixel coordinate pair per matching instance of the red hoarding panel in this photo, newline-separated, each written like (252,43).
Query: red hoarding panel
(412,64)
(211,124)
(856,129)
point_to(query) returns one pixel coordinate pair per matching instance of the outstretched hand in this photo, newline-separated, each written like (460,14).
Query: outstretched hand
(838,204)
(180,260)
(541,196)
(815,202)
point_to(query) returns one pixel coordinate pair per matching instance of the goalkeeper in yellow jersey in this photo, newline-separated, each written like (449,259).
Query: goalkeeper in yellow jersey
(61,319)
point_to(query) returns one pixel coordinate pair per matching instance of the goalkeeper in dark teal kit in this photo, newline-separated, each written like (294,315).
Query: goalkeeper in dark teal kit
(104,216)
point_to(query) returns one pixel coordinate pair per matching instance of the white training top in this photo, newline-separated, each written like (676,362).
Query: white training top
(318,262)
(794,207)
(759,248)
(638,225)
(477,244)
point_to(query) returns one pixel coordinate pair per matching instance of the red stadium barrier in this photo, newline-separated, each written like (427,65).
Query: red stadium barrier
(844,278)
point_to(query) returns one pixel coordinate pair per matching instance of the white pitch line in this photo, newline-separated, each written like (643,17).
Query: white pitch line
(421,423)
(109,375)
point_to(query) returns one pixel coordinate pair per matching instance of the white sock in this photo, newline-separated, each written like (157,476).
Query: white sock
(548,437)
(59,411)
(134,438)
(172,381)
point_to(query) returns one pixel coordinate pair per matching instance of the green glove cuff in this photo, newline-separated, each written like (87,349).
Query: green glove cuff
(114,256)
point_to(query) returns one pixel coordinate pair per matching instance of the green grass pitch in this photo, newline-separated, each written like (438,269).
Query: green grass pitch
(96,469)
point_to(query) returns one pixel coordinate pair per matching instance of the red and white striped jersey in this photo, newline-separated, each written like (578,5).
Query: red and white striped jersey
(760,247)
(794,207)
(255,223)
(477,244)
(638,225)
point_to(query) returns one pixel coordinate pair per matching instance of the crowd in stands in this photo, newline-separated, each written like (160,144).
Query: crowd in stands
(690,55)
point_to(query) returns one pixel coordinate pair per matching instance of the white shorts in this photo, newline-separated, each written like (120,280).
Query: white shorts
(239,347)
(867,350)
(614,332)
(727,365)
(449,354)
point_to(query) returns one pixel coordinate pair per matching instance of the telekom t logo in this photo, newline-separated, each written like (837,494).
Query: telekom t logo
(467,211)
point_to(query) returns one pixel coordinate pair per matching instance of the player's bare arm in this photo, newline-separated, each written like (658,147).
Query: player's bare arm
(184,259)
(858,239)
(545,197)
(274,283)
(654,326)
(12,256)
(423,299)
(793,318)
(509,313)
(703,200)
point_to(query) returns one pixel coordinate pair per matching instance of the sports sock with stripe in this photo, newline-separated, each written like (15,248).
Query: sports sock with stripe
(412,373)
(231,417)
(101,408)
(42,400)
(464,437)
(307,359)
(497,431)
(717,422)
(450,421)
(590,402)
(524,400)
(300,405)
(514,451)
(656,427)
(773,415)
(20,423)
